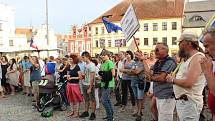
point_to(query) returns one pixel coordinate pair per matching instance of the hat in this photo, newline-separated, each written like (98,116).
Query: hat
(188,36)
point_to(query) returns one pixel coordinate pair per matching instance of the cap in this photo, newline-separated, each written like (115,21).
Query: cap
(188,36)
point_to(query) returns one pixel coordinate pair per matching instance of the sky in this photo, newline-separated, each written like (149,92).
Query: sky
(62,13)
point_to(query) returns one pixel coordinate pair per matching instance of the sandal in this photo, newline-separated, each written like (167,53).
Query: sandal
(71,114)
(75,115)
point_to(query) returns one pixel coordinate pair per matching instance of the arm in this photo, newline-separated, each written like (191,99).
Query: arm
(92,78)
(13,70)
(33,63)
(194,71)
(207,68)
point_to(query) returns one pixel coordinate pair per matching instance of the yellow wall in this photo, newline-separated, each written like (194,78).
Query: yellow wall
(150,34)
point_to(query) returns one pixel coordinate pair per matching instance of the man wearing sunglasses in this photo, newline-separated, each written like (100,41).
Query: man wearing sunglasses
(163,91)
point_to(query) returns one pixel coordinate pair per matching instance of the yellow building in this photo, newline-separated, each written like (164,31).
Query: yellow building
(160,21)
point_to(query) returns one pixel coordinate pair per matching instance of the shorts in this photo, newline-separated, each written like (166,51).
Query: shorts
(26,77)
(35,87)
(88,97)
(138,93)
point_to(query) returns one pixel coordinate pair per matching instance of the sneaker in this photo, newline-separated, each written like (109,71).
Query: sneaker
(84,114)
(92,116)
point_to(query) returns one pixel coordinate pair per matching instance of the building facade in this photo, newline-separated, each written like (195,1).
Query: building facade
(160,21)
(7,26)
(197,14)
(79,39)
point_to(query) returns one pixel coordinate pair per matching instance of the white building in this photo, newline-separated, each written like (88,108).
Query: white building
(7,26)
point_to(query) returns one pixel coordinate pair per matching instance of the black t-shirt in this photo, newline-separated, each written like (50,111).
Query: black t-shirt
(74,73)
(64,71)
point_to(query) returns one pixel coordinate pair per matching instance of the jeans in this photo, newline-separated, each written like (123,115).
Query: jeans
(138,93)
(107,103)
(126,85)
(117,92)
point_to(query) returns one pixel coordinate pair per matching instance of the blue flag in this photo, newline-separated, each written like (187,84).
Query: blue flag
(110,26)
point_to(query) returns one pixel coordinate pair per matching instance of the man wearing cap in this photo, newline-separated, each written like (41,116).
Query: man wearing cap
(190,80)
(208,67)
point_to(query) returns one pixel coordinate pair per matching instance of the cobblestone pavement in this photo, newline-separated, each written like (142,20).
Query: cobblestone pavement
(18,108)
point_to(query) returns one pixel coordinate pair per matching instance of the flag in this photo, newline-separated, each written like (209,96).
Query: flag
(32,44)
(110,26)
(211,23)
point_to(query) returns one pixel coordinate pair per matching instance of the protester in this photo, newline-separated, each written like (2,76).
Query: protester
(35,78)
(73,89)
(12,75)
(107,83)
(208,67)
(4,66)
(62,70)
(119,66)
(190,80)
(26,65)
(1,89)
(138,82)
(126,81)
(162,90)
(97,83)
(89,86)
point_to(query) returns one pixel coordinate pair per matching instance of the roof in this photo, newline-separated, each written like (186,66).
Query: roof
(145,9)
(200,6)
(25,31)
(197,14)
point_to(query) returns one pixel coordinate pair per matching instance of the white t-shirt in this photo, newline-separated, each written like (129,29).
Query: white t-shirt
(89,68)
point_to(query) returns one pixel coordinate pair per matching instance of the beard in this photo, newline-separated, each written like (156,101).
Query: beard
(182,53)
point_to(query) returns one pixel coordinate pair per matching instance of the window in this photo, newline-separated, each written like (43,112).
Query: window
(11,42)
(96,30)
(174,25)
(155,26)
(109,43)
(164,26)
(164,40)
(155,40)
(103,30)
(174,40)
(102,43)
(138,41)
(146,27)
(146,41)
(196,18)
(89,28)
(97,43)
(1,27)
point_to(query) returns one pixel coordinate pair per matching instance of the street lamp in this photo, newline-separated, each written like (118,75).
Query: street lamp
(47,27)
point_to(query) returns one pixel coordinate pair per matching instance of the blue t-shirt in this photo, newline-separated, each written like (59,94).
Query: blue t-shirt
(164,90)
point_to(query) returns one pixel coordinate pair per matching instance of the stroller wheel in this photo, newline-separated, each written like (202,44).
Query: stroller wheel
(63,106)
(41,108)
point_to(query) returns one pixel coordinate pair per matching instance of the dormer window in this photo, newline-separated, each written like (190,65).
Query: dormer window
(196,18)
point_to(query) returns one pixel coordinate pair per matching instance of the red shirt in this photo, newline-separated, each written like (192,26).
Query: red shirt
(211,101)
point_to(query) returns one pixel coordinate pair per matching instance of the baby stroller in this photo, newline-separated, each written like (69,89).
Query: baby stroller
(51,94)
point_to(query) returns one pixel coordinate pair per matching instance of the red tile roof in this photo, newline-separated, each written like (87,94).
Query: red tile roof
(146,9)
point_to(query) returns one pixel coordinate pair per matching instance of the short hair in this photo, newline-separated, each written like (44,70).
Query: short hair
(86,54)
(211,31)
(165,45)
(51,58)
(130,53)
(26,57)
(74,58)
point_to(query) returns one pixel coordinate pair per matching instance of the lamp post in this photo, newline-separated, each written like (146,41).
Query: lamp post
(47,27)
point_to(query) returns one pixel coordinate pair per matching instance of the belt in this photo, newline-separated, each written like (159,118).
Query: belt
(182,97)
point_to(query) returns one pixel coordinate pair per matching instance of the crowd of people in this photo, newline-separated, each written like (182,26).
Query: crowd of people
(169,82)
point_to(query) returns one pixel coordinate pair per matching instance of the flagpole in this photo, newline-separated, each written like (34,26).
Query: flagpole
(47,27)
(136,44)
